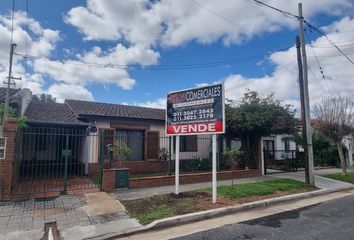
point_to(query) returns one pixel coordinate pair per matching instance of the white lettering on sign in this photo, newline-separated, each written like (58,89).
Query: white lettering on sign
(193,128)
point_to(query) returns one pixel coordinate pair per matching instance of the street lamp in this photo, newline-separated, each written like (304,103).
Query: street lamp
(110,148)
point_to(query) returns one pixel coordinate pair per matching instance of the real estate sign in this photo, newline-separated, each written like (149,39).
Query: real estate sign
(196,111)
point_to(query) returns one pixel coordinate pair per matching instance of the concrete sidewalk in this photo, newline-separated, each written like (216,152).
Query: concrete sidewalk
(129,194)
(85,217)
(320,182)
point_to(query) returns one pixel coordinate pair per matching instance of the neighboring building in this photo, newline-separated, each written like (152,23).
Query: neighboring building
(348,142)
(19,98)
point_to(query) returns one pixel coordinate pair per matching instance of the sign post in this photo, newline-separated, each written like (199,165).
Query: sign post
(194,112)
(177,166)
(214,168)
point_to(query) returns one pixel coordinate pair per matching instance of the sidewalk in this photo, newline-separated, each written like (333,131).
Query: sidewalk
(320,182)
(26,219)
(80,217)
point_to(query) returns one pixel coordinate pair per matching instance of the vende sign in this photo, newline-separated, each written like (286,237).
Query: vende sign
(196,111)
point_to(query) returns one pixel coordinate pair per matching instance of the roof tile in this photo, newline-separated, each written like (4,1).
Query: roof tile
(87,108)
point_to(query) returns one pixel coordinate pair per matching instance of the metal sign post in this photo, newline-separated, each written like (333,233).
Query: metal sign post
(193,112)
(177,166)
(214,184)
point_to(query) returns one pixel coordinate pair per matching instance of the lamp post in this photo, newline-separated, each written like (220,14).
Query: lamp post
(110,153)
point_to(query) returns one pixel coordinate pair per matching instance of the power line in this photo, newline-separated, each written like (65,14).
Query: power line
(320,67)
(330,46)
(220,16)
(285,13)
(329,40)
(163,67)
(257,78)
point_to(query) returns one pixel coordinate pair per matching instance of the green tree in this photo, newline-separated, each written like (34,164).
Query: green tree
(324,149)
(334,117)
(256,116)
(20,120)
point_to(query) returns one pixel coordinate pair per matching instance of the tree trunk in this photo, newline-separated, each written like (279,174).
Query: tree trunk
(342,158)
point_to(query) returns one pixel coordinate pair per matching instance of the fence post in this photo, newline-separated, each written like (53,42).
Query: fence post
(100,159)
(169,155)
(265,162)
(66,163)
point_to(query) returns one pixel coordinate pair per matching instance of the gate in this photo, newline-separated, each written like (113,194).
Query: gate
(53,161)
(276,161)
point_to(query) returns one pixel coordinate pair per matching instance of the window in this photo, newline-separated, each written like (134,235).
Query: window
(135,142)
(2,147)
(188,143)
(152,143)
(107,139)
(286,145)
(269,152)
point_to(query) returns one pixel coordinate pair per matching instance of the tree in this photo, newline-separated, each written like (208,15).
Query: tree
(334,117)
(44,98)
(20,120)
(256,116)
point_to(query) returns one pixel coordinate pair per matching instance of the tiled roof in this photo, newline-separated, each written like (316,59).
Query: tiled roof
(3,93)
(86,108)
(50,112)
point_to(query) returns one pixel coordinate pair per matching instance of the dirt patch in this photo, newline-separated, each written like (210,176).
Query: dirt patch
(188,202)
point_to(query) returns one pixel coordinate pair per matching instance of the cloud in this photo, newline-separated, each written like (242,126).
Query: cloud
(67,91)
(173,23)
(79,73)
(134,21)
(39,41)
(338,72)
(158,103)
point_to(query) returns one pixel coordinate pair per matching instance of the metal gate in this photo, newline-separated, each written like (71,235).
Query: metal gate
(276,161)
(53,161)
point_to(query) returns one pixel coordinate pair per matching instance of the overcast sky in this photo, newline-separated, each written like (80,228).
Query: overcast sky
(134,52)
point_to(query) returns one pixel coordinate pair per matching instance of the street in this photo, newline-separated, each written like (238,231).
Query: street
(329,220)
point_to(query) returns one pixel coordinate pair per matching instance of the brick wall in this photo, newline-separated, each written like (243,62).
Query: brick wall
(143,166)
(108,180)
(190,178)
(6,165)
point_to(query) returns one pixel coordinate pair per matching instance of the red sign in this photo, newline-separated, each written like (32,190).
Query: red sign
(196,111)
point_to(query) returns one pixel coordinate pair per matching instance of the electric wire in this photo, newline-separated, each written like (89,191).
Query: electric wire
(259,77)
(220,16)
(319,67)
(329,40)
(161,67)
(285,13)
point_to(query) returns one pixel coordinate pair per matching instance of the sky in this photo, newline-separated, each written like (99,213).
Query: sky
(135,52)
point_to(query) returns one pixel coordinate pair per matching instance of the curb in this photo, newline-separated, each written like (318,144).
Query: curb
(203,215)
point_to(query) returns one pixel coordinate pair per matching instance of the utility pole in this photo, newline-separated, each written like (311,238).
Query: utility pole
(9,83)
(310,179)
(302,101)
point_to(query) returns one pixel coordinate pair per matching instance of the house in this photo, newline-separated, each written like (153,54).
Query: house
(89,127)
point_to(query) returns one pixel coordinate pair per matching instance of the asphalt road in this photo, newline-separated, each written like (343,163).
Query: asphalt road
(326,221)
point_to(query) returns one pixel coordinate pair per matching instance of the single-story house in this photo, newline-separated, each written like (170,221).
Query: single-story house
(91,126)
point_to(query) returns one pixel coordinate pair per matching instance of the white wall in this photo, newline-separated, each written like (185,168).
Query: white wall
(348,142)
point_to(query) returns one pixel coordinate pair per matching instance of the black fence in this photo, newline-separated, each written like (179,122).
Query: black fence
(53,160)
(284,160)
